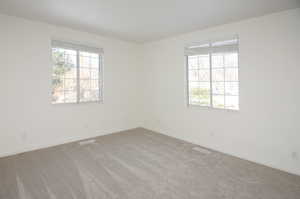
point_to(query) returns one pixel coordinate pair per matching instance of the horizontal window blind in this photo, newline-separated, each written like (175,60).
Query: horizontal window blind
(218,46)
(73,46)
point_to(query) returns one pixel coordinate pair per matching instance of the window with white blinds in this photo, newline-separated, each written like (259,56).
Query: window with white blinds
(77,73)
(212,73)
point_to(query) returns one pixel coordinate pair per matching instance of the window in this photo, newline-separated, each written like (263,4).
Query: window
(212,74)
(76,74)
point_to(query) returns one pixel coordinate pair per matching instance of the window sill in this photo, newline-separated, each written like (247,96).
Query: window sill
(78,103)
(199,107)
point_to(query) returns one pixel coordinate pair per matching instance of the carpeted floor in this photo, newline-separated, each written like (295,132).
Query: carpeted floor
(139,164)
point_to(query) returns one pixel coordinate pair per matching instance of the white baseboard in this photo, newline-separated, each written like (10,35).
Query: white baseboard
(294,172)
(64,141)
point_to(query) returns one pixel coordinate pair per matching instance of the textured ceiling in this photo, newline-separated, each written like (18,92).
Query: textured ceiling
(142,20)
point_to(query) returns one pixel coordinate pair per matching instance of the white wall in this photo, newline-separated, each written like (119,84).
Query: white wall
(265,130)
(27,118)
(267,127)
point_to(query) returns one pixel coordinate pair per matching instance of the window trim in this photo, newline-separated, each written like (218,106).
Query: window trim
(187,81)
(80,48)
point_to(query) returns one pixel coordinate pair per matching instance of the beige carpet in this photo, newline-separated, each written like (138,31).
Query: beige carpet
(139,164)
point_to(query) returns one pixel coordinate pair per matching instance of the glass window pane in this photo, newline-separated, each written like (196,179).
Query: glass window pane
(95,95)
(57,83)
(198,61)
(217,74)
(231,60)
(93,55)
(64,97)
(89,60)
(203,61)
(221,73)
(70,84)
(94,84)
(62,56)
(193,85)
(70,97)
(218,88)
(231,74)
(89,95)
(95,74)
(95,62)
(193,62)
(65,75)
(204,75)
(85,73)
(85,95)
(232,88)
(64,66)
(89,76)
(72,73)
(57,97)
(193,98)
(193,75)
(218,101)
(85,84)
(217,60)
(200,94)
(84,61)
(232,102)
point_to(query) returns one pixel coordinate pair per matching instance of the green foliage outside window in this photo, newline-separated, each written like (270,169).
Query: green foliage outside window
(200,95)
(61,67)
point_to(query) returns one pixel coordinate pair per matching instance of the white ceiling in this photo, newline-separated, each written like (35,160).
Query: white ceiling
(142,20)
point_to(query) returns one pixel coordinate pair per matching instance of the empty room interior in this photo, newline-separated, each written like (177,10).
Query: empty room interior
(150,99)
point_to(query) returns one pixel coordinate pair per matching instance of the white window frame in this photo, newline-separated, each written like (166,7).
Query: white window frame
(81,48)
(187,81)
